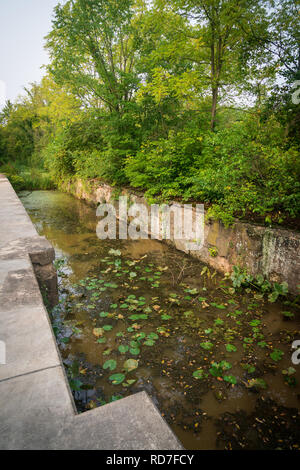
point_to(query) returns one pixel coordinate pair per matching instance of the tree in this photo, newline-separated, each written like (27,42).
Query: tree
(91,50)
(220,31)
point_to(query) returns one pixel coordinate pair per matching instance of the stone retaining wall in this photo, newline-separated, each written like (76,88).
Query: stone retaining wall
(273,252)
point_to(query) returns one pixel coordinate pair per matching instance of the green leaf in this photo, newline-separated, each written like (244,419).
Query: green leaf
(102,340)
(257,383)
(230,378)
(123,349)
(249,368)
(141,316)
(111,364)
(107,327)
(276,355)
(117,379)
(199,374)
(230,348)
(165,317)
(152,336)
(134,351)
(206,345)
(104,314)
(75,384)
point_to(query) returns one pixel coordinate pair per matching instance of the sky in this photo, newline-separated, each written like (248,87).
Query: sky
(23,26)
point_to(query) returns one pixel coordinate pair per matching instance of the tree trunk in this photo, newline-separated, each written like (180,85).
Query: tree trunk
(214,108)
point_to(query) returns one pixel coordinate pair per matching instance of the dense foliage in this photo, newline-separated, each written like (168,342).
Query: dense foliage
(184,99)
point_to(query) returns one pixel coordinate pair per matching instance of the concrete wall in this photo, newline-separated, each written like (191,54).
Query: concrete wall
(37,410)
(272,252)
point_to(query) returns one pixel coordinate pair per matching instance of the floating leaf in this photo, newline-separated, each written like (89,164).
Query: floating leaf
(220,306)
(98,332)
(111,364)
(191,291)
(199,374)
(257,383)
(152,336)
(103,314)
(276,355)
(255,322)
(230,378)
(165,317)
(230,348)
(249,368)
(132,274)
(130,365)
(107,327)
(114,252)
(128,383)
(206,345)
(289,371)
(102,340)
(288,314)
(262,344)
(107,352)
(123,349)
(75,384)
(141,316)
(117,379)
(134,351)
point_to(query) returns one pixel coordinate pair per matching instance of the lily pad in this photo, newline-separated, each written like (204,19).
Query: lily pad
(199,374)
(111,364)
(206,345)
(107,327)
(130,365)
(117,379)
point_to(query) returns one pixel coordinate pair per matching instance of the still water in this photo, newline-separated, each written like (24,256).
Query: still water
(139,315)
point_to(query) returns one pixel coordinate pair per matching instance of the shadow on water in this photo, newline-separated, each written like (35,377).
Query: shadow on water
(152,318)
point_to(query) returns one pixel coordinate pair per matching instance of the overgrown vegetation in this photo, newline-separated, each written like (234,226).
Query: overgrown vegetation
(184,99)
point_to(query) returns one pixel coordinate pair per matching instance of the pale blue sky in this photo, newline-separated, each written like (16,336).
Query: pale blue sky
(23,25)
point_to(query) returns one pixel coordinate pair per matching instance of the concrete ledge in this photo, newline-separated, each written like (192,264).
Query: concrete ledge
(37,410)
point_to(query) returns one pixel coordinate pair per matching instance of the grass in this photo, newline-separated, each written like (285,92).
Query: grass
(27,178)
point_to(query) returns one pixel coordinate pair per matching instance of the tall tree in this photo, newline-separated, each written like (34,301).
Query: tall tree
(91,50)
(221,35)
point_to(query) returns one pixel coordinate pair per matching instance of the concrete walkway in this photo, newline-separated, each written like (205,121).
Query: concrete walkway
(36,407)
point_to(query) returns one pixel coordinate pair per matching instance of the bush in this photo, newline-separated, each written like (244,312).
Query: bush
(162,166)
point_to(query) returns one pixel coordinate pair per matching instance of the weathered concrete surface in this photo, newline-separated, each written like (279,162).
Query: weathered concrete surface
(270,251)
(36,407)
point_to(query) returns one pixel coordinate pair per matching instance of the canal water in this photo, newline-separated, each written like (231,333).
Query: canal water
(140,315)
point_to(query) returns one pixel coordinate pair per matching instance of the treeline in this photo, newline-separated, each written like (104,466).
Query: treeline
(185,99)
